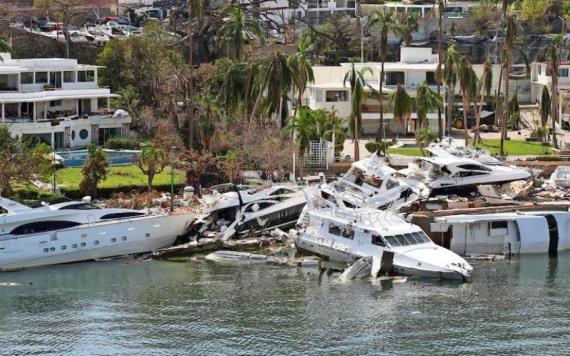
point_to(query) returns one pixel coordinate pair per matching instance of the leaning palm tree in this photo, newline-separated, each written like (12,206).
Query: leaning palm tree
(452,58)
(508,43)
(151,162)
(484,90)
(553,58)
(302,69)
(239,30)
(274,78)
(386,22)
(439,73)
(357,84)
(303,127)
(427,101)
(402,105)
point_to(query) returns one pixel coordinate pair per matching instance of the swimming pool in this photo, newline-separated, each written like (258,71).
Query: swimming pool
(114,157)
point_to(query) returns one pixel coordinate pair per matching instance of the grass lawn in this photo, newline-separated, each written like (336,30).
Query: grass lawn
(69,178)
(516,148)
(405,151)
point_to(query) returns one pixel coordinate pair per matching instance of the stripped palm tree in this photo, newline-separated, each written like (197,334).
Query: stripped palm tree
(468,87)
(439,73)
(553,59)
(302,69)
(510,35)
(545,106)
(515,111)
(386,22)
(484,90)
(409,25)
(357,84)
(151,162)
(452,58)
(195,12)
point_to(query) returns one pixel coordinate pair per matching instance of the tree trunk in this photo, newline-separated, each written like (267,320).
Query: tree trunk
(477,136)
(554,110)
(450,103)
(439,58)
(301,163)
(190,99)
(505,120)
(381,137)
(256,105)
(356,145)
(465,108)
(149,190)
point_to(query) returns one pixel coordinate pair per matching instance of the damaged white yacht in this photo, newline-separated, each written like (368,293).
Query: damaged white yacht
(447,173)
(71,231)
(372,183)
(447,148)
(396,246)
(250,210)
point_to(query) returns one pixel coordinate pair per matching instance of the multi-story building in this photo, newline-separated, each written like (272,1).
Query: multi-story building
(103,7)
(57,101)
(541,78)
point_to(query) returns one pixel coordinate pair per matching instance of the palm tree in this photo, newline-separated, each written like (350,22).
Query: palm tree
(195,11)
(427,101)
(151,162)
(515,111)
(468,88)
(239,30)
(403,106)
(439,74)
(94,171)
(452,59)
(357,84)
(303,127)
(301,68)
(209,112)
(275,79)
(510,35)
(553,58)
(484,90)
(5,47)
(386,22)
(409,25)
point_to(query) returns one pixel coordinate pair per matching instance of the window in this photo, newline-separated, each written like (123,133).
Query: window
(334,230)
(395,78)
(124,238)
(468,174)
(121,215)
(473,167)
(347,233)
(46,249)
(563,72)
(431,78)
(96,242)
(333,96)
(43,226)
(41,77)
(83,134)
(69,76)
(401,240)
(421,237)
(64,247)
(81,206)
(74,246)
(391,183)
(114,239)
(27,78)
(499,224)
(378,241)
(282,191)
(392,241)
(73,135)
(410,239)
(83,244)
(55,103)
(85,76)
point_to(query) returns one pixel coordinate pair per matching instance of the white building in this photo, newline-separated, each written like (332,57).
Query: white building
(57,101)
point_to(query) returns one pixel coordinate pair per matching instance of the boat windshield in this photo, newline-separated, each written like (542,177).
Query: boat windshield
(413,238)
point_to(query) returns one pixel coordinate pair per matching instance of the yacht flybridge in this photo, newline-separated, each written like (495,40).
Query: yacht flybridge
(372,183)
(344,234)
(72,231)
(448,148)
(441,173)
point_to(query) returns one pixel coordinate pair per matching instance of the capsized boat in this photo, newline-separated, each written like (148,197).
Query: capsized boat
(372,183)
(443,173)
(561,177)
(447,147)
(71,231)
(345,235)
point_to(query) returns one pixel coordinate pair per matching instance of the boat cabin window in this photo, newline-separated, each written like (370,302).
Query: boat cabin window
(392,241)
(391,183)
(373,181)
(468,174)
(334,230)
(43,226)
(347,233)
(378,240)
(475,167)
(499,224)
(282,191)
(128,214)
(80,206)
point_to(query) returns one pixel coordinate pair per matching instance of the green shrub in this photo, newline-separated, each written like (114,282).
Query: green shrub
(118,143)
(374,146)
(549,158)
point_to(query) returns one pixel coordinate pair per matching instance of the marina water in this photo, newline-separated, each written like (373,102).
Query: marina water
(199,306)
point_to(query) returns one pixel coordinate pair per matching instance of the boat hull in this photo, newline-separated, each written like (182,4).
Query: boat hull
(91,241)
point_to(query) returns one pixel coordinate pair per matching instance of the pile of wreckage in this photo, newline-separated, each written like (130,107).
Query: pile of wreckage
(380,216)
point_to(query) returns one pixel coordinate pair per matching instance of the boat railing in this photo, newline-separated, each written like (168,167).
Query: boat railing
(368,217)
